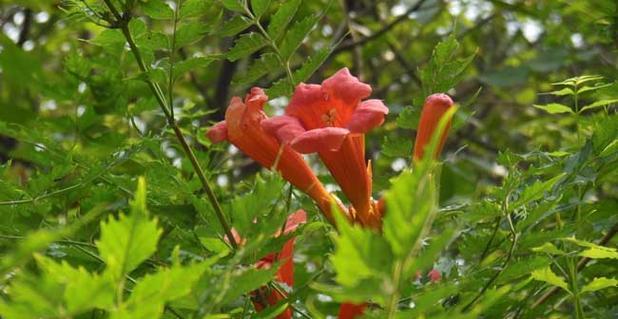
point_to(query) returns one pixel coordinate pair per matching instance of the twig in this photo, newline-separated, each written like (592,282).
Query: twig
(160,97)
(509,256)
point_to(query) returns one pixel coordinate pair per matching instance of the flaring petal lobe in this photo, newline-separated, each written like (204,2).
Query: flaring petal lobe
(218,132)
(285,128)
(368,114)
(346,87)
(321,139)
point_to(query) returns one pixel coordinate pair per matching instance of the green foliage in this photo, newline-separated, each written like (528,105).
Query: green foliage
(519,219)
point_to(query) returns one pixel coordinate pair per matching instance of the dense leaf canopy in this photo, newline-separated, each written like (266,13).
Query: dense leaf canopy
(117,201)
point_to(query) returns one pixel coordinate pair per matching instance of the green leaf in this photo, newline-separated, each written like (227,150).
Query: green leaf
(359,254)
(548,248)
(153,291)
(396,146)
(411,206)
(233,5)
(594,251)
(312,64)
(129,240)
(599,283)
(194,8)
(190,64)
(548,276)
(295,36)
(267,63)
(409,117)
(245,45)
(158,9)
(598,104)
(245,281)
(444,69)
(562,92)
(259,7)
(188,33)
(257,206)
(537,190)
(235,25)
(83,290)
(283,86)
(285,13)
(554,108)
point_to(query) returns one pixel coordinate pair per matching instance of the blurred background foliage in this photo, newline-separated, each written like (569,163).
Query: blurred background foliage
(79,124)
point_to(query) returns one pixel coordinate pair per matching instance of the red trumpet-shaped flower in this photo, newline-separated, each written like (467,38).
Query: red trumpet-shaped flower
(264,297)
(331,119)
(242,127)
(434,108)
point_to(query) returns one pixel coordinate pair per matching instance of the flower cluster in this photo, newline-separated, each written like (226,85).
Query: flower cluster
(331,120)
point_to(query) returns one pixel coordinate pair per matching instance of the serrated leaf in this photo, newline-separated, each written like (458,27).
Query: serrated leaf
(191,63)
(281,87)
(157,9)
(562,92)
(548,276)
(554,108)
(594,251)
(233,5)
(235,25)
(536,190)
(194,8)
(245,281)
(598,104)
(246,45)
(259,7)
(548,248)
(285,13)
(599,283)
(109,37)
(411,205)
(267,63)
(359,254)
(188,33)
(127,241)
(295,36)
(311,65)
(409,117)
(396,146)
(153,291)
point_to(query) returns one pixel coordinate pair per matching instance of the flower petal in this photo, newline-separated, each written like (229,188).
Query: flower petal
(256,98)
(285,128)
(309,104)
(346,87)
(218,132)
(368,114)
(321,139)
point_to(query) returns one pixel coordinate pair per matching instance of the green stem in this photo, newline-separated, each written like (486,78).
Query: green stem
(284,62)
(579,311)
(393,302)
(160,97)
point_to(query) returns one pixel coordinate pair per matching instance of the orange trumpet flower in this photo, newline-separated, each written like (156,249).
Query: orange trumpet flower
(242,127)
(434,108)
(331,119)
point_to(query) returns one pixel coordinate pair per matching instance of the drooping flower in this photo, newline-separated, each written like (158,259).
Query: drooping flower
(350,310)
(242,127)
(434,108)
(265,297)
(331,119)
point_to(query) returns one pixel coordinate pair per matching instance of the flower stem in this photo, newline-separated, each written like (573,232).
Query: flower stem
(166,108)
